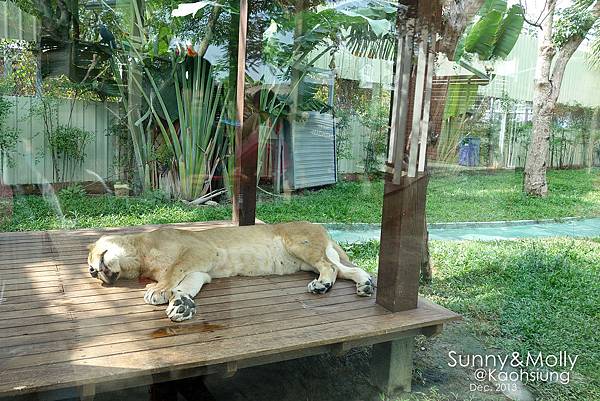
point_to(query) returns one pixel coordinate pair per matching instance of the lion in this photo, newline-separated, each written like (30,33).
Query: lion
(182,261)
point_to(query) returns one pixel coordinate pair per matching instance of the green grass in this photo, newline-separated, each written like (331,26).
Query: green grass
(499,196)
(530,295)
(458,197)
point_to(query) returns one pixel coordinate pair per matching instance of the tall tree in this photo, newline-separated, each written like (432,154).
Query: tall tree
(57,17)
(560,39)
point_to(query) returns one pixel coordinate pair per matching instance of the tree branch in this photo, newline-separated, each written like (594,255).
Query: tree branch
(212,21)
(566,51)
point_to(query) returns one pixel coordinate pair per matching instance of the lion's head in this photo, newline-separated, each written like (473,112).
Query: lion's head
(111,257)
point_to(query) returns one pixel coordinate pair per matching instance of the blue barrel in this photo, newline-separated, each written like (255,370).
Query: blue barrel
(468,151)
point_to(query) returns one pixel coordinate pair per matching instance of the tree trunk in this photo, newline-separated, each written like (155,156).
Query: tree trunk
(456,18)
(535,164)
(548,80)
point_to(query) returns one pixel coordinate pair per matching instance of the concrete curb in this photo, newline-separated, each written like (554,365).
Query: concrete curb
(461,224)
(504,223)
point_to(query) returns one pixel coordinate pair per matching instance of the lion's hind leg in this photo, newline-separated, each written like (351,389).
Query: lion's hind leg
(181,305)
(349,271)
(364,282)
(327,267)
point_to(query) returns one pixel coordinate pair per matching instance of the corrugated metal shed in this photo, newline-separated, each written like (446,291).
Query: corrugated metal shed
(312,152)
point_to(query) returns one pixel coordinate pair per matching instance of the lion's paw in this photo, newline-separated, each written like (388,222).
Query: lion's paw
(156,295)
(365,289)
(181,307)
(318,287)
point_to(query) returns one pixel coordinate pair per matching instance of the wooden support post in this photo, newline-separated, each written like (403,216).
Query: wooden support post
(426,109)
(418,102)
(87,392)
(401,240)
(246,139)
(401,101)
(392,364)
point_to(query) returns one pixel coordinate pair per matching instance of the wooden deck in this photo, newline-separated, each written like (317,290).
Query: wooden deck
(61,329)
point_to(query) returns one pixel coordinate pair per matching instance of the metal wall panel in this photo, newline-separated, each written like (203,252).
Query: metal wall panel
(313,151)
(34,161)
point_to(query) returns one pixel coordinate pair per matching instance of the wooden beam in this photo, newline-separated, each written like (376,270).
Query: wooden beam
(418,102)
(401,100)
(400,250)
(392,364)
(246,139)
(395,93)
(426,108)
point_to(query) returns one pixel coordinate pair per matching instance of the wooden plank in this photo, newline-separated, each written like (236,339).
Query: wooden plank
(303,297)
(317,332)
(130,304)
(396,90)
(69,287)
(127,290)
(131,326)
(418,102)
(426,108)
(403,102)
(109,298)
(137,330)
(206,331)
(48,280)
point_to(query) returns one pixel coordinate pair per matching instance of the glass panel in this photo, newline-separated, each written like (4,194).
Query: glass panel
(116,114)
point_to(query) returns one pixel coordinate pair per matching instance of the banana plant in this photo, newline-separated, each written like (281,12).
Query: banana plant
(494,34)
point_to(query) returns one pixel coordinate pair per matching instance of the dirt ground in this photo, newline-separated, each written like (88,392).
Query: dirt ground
(345,378)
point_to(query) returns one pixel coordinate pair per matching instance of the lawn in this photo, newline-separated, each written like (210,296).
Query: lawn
(530,295)
(456,197)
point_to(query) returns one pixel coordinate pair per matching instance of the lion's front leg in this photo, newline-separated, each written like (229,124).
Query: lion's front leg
(181,305)
(161,292)
(158,293)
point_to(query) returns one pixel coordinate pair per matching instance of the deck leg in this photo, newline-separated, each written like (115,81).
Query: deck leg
(392,365)
(87,392)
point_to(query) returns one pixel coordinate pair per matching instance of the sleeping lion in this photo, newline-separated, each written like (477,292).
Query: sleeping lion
(182,261)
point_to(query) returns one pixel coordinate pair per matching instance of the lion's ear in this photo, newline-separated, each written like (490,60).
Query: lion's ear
(90,247)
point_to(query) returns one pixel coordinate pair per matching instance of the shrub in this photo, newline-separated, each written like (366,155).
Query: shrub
(67,145)
(73,191)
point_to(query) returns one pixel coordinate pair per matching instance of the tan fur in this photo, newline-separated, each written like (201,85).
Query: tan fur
(181,261)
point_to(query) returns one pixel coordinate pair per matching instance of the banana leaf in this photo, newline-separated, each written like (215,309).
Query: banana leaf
(509,31)
(481,39)
(490,5)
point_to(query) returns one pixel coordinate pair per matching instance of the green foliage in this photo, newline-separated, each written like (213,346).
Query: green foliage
(9,138)
(72,192)
(527,296)
(450,198)
(482,36)
(494,34)
(460,98)
(508,32)
(68,144)
(376,119)
(572,22)
(156,196)
(520,296)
